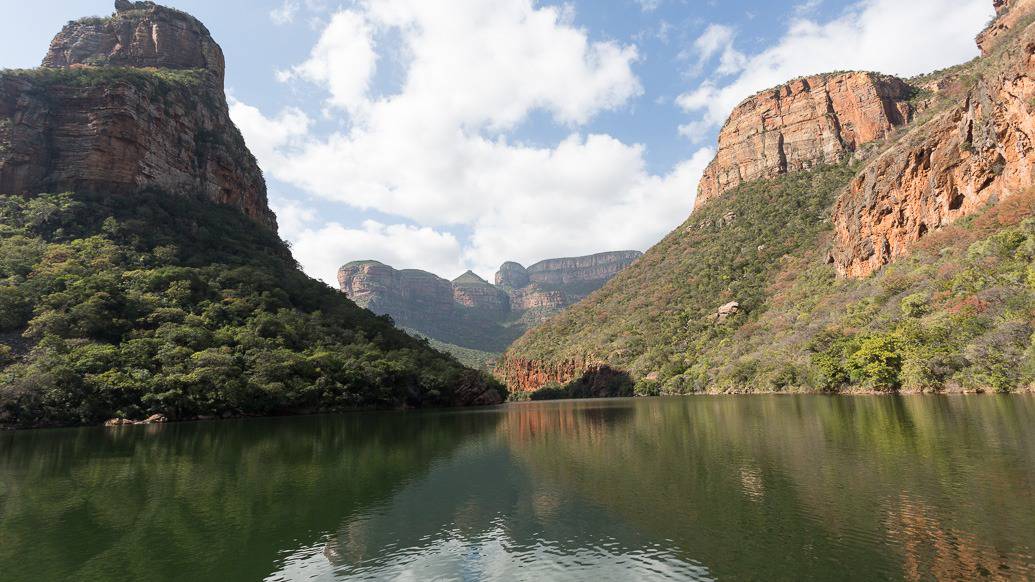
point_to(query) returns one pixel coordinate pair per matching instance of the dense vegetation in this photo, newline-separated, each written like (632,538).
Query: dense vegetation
(957,314)
(126,306)
(644,319)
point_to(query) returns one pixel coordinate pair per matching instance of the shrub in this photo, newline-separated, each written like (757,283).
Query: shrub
(877,363)
(915,305)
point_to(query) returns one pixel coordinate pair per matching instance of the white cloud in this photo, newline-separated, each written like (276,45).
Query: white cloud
(293,218)
(891,36)
(649,5)
(322,250)
(807,6)
(286,13)
(265,135)
(717,40)
(437,152)
(344,60)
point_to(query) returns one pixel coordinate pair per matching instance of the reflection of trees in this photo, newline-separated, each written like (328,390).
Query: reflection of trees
(810,481)
(201,501)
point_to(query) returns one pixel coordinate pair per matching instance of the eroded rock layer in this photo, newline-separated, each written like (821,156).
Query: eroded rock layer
(807,122)
(471,312)
(978,149)
(129,103)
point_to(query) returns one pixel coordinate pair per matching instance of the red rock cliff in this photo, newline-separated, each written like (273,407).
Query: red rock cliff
(807,122)
(976,149)
(124,104)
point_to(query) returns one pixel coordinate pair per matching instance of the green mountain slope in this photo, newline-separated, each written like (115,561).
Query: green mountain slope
(956,314)
(124,306)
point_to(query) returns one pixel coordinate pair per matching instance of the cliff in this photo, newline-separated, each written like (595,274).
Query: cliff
(976,149)
(816,187)
(814,120)
(470,312)
(134,281)
(125,104)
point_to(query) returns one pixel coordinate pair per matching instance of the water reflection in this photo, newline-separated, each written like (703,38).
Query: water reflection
(699,488)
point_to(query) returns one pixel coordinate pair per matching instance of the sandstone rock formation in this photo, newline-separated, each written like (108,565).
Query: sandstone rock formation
(804,123)
(975,150)
(411,297)
(471,312)
(473,292)
(140,34)
(1009,13)
(124,104)
(523,375)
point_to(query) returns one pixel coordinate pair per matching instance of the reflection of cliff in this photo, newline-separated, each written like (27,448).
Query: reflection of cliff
(933,552)
(733,481)
(212,501)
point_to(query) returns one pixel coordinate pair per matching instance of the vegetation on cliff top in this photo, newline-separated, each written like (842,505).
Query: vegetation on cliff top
(957,314)
(126,306)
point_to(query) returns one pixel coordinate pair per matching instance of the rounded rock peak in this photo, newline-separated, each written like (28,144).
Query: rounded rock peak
(140,35)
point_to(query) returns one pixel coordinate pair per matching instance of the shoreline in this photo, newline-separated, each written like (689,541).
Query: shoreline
(126,423)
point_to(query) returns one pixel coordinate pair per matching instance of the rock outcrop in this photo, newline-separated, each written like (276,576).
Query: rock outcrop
(125,104)
(804,123)
(978,149)
(1009,14)
(523,375)
(140,34)
(470,311)
(411,297)
(472,292)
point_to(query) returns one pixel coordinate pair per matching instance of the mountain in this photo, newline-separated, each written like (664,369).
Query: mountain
(140,270)
(854,232)
(469,313)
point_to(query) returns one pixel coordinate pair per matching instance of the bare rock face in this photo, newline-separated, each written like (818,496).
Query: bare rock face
(521,375)
(1009,13)
(470,311)
(472,292)
(140,34)
(99,116)
(512,275)
(977,150)
(409,296)
(598,267)
(805,123)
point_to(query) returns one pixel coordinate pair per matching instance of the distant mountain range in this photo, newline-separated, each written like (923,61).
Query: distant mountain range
(471,313)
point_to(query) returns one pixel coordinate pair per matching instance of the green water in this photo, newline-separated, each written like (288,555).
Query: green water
(729,488)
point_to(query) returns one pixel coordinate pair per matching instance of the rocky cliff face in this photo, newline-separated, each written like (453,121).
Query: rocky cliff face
(124,104)
(1009,14)
(809,121)
(977,148)
(471,312)
(410,296)
(599,267)
(139,34)
(472,292)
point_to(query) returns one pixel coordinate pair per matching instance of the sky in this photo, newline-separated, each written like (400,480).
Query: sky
(449,135)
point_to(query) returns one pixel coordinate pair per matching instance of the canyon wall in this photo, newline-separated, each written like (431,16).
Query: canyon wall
(471,312)
(977,149)
(124,104)
(804,123)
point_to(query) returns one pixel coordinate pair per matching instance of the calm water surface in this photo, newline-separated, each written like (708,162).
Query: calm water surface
(739,488)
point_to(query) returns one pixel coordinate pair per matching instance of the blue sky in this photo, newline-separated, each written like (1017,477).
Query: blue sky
(455,134)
